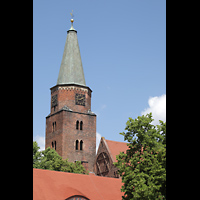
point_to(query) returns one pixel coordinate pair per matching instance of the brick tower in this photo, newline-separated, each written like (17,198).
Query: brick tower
(71,125)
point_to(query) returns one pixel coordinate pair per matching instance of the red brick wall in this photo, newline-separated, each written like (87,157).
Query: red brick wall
(87,135)
(66,133)
(66,96)
(57,134)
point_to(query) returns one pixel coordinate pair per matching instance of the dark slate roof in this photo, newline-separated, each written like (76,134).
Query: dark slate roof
(71,69)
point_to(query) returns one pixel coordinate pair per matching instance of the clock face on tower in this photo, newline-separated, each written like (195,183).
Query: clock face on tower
(80,99)
(54,101)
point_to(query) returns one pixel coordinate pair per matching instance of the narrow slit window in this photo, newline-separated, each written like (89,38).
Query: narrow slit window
(81,125)
(77,124)
(53,127)
(77,144)
(81,145)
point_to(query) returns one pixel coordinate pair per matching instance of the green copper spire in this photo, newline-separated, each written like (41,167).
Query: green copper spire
(71,69)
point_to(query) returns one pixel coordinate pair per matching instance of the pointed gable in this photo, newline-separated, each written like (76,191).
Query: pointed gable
(106,156)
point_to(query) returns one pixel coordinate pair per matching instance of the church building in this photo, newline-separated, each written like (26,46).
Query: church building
(71,125)
(71,131)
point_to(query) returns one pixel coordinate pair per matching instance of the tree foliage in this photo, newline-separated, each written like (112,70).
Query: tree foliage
(143,166)
(50,159)
(36,153)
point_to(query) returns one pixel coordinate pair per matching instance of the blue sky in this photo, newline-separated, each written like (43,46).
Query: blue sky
(123,51)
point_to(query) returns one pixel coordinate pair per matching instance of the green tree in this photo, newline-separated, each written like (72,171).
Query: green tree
(143,166)
(50,159)
(36,154)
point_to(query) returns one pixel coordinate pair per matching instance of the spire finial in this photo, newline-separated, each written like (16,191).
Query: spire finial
(72,20)
(72,16)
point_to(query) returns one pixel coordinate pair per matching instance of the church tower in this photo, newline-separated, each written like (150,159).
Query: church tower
(71,125)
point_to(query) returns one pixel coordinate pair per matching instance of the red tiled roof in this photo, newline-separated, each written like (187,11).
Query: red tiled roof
(54,185)
(116,147)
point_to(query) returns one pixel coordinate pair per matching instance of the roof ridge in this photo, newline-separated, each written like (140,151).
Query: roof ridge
(60,171)
(116,141)
(74,173)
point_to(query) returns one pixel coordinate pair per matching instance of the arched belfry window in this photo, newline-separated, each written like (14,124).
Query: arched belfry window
(77,124)
(81,125)
(53,145)
(81,145)
(77,144)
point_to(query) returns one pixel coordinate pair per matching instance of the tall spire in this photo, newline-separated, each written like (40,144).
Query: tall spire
(71,69)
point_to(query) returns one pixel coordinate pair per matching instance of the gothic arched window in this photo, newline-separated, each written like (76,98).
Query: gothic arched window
(103,164)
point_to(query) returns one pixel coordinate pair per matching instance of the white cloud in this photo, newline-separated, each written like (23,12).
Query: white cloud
(98,138)
(41,142)
(157,105)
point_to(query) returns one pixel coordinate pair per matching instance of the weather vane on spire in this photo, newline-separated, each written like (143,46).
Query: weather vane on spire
(72,16)
(72,20)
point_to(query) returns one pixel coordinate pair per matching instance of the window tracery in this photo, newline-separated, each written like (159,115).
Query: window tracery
(102,164)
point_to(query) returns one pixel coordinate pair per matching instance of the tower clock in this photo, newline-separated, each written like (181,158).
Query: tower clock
(80,99)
